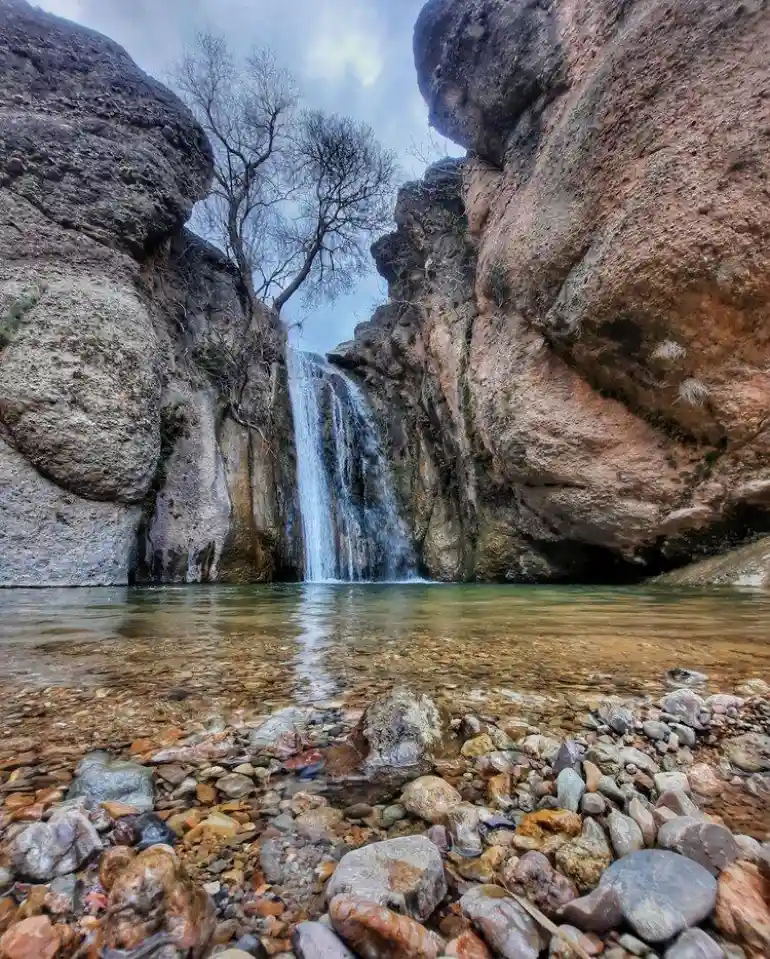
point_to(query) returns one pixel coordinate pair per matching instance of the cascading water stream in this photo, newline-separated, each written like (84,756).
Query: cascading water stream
(351,526)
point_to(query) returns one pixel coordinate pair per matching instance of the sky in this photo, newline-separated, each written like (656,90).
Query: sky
(352,57)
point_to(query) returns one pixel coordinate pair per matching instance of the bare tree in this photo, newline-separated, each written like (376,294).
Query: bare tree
(297,194)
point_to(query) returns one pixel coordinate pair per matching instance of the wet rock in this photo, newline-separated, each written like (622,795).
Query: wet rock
(609,788)
(593,804)
(679,803)
(569,757)
(373,931)
(153,832)
(235,786)
(585,858)
(686,735)
(656,731)
(392,814)
(314,940)
(704,780)
(154,895)
(467,946)
(750,753)
(625,834)
(592,775)
(569,790)
(502,922)
(548,829)
(480,746)
(686,705)
(34,938)
(100,778)
(707,843)
(499,791)
(318,822)
(721,703)
(605,756)
(635,757)
(672,782)
(748,848)
(430,798)
(534,877)
(563,943)
(658,893)
(112,864)
(462,821)
(484,868)
(6,878)
(618,718)
(742,911)
(401,730)
(54,848)
(281,733)
(541,747)
(405,874)
(694,944)
(644,819)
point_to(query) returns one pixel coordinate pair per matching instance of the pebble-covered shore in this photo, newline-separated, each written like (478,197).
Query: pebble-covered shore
(397,831)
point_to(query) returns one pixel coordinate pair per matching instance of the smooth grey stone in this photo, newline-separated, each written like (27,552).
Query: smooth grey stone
(686,706)
(100,778)
(605,756)
(694,944)
(405,874)
(635,757)
(282,725)
(653,729)
(707,843)
(593,804)
(750,753)
(679,802)
(686,735)
(609,788)
(569,790)
(314,940)
(618,718)
(625,834)
(658,893)
(672,782)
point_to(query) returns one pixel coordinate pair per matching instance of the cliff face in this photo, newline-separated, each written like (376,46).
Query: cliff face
(575,362)
(118,458)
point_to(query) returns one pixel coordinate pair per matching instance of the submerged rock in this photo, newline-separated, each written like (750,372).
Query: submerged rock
(658,893)
(153,894)
(100,778)
(405,874)
(401,730)
(281,733)
(45,850)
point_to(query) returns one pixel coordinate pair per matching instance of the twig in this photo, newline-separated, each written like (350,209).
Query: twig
(545,922)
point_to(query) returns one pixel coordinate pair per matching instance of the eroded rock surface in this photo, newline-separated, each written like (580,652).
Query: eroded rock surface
(118,446)
(572,362)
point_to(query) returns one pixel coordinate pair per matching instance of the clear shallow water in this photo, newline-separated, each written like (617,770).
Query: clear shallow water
(258,646)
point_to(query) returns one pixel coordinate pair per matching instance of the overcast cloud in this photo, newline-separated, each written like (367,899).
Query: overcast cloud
(349,56)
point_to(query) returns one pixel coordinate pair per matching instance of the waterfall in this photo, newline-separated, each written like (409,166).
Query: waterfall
(351,526)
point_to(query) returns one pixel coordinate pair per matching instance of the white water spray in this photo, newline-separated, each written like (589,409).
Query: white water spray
(351,526)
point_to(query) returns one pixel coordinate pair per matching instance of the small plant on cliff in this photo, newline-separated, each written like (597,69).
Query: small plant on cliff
(12,319)
(297,195)
(497,286)
(693,391)
(669,351)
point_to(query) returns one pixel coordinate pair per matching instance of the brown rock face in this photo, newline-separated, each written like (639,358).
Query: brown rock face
(743,908)
(575,361)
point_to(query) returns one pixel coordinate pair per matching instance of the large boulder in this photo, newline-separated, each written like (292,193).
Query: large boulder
(120,460)
(401,730)
(572,368)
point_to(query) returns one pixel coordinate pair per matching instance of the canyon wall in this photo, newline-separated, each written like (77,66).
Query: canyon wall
(573,368)
(123,453)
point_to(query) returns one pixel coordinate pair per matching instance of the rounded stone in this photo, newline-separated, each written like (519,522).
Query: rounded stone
(430,798)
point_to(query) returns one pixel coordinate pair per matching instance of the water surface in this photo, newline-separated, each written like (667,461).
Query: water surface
(277,644)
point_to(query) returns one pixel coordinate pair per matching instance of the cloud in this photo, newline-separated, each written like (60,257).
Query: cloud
(351,57)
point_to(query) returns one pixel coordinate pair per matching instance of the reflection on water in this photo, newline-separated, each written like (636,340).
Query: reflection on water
(305,643)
